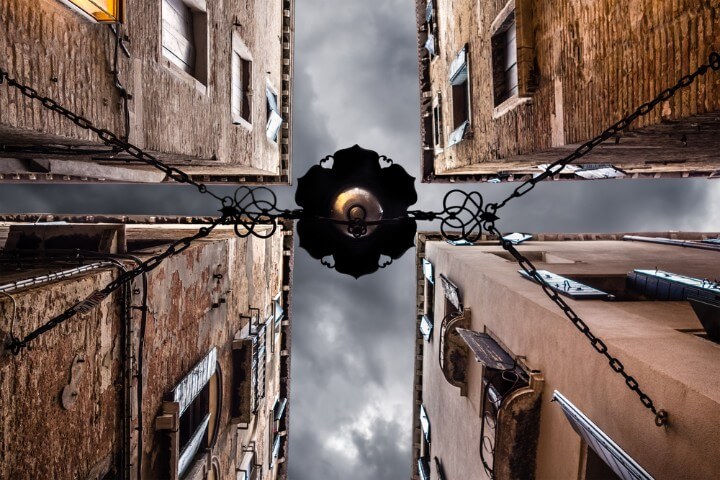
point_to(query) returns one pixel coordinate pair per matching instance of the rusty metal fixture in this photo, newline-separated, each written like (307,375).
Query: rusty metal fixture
(356,205)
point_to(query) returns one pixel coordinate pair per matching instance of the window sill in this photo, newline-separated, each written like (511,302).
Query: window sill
(242,123)
(509,105)
(184,76)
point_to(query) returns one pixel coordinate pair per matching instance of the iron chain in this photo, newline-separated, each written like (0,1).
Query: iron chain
(15,345)
(106,135)
(598,344)
(644,109)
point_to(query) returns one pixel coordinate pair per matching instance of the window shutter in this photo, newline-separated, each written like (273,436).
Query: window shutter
(178,36)
(275,120)
(238,88)
(458,68)
(615,457)
(566,286)
(429,11)
(458,134)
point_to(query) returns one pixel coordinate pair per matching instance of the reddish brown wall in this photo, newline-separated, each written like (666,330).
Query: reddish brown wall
(596,61)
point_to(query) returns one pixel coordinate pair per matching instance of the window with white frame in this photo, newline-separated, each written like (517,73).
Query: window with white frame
(191,415)
(461,99)
(241,81)
(274,118)
(424,458)
(185,36)
(431,44)
(607,460)
(437,122)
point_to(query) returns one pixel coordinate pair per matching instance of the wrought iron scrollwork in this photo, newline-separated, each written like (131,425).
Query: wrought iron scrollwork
(252,207)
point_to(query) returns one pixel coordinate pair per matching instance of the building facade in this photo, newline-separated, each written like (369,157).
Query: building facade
(182,374)
(204,86)
(509,86)
(507,387)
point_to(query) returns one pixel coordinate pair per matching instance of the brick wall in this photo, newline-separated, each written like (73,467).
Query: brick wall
(594,63)
(62,55)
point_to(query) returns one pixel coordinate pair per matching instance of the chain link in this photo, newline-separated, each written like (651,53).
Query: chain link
(105,135)
(598,344)
(15,345)
(644,109)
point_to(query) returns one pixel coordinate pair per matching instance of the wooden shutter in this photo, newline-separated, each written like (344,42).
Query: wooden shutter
(178,41)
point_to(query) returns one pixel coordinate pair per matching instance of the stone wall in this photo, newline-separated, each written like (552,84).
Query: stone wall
(63,56)
(594,62)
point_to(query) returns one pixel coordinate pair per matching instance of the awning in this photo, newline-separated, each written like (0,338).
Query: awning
(487,351)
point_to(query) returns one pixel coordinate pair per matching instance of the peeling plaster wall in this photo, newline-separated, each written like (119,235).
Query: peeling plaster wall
(38,437)
(189,312)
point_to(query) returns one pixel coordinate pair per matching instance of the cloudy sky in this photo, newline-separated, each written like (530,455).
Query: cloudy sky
(352,352)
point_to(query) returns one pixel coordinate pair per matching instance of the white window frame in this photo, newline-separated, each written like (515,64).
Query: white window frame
(459,76)
(274,117)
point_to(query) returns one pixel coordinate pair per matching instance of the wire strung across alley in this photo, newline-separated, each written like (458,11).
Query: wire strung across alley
(464,216)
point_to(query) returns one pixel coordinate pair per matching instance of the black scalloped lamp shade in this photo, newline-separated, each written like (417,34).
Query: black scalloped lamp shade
(355,211)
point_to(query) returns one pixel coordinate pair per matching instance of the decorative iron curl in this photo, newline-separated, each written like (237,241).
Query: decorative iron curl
(253,207)
(464,216)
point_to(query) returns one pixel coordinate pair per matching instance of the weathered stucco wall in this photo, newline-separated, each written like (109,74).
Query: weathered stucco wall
(65,57)
(37,435)
(673,367)
(195,302)
(594,63)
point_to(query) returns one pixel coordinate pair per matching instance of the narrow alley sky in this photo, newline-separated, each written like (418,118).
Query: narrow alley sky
(352,350)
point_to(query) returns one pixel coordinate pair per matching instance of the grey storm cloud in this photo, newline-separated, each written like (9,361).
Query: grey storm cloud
(353,340)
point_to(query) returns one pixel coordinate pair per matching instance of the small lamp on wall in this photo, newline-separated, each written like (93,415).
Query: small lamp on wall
(98,11)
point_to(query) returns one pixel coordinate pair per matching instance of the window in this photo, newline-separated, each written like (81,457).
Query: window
(425,423)
(513,56)
(604,448)
(278,315)
(428,270)
(191,415)
(504,60)
(241,73)
(460,81)
(453,302)
(100,11)
(661,285)
(424,459)
(275,433)
(431,44)
(437,122)
(247,470)
(184,36)
(274,119)
(426,327)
